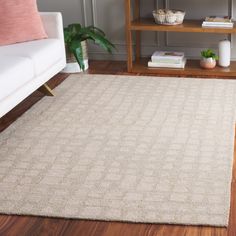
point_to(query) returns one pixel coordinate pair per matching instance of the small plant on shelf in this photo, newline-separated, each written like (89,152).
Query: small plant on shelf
(209,54)
(208,60)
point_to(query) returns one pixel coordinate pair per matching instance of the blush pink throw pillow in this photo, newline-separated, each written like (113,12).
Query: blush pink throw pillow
(20,21)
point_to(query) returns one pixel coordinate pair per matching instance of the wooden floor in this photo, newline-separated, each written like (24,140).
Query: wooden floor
(34,226)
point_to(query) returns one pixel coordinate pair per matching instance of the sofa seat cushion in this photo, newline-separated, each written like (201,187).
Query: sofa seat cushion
(14,73)
(44,53)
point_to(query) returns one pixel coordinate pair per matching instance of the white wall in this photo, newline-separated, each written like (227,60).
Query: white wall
(109,16)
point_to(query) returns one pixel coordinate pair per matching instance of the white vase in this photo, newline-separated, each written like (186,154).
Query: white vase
(224,53)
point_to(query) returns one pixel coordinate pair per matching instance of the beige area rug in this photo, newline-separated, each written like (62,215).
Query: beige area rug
(139,149)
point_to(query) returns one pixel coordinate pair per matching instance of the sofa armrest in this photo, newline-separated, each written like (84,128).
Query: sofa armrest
(53,24)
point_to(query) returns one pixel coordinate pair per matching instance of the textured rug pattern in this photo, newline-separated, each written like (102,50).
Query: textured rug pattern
(139,149)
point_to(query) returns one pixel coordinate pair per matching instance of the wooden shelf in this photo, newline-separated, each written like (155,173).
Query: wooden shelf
(136,24)
(192,69)
(193,26)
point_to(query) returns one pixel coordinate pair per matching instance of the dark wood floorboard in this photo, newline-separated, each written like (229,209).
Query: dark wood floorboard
(35,226)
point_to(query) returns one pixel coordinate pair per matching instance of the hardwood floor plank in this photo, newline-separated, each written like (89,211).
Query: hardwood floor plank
(117,229)
(18,225)
(86,228)
(6,222)
(47,226)
(37,226)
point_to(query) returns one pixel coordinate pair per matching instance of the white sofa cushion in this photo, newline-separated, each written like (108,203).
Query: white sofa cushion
(15,73)
(44,53)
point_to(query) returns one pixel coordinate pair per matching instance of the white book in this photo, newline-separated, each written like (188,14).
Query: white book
(167,60)
(217,23)
(218,26)
(167,65)
(166,55)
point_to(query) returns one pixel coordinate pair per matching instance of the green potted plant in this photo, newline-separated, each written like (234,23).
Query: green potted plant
(76,37)
(208,60)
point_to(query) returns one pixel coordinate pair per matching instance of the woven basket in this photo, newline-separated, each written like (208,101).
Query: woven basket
(168,17)
(70,58)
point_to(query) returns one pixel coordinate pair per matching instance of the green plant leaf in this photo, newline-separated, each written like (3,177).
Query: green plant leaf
(76,48)
(74,28)
(96,30)
(209,54)
(102,41)
(67,36)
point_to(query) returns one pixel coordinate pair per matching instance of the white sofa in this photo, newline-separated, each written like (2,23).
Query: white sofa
(24,67)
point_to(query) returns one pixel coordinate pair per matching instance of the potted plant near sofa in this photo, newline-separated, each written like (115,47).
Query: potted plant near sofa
(76,37)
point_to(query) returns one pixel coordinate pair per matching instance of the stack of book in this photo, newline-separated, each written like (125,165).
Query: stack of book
(218,22)
(164,59)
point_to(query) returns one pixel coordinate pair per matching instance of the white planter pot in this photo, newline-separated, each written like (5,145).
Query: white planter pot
(73,67)
(208,63)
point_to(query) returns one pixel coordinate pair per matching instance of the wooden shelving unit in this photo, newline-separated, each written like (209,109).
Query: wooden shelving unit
(139,65)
